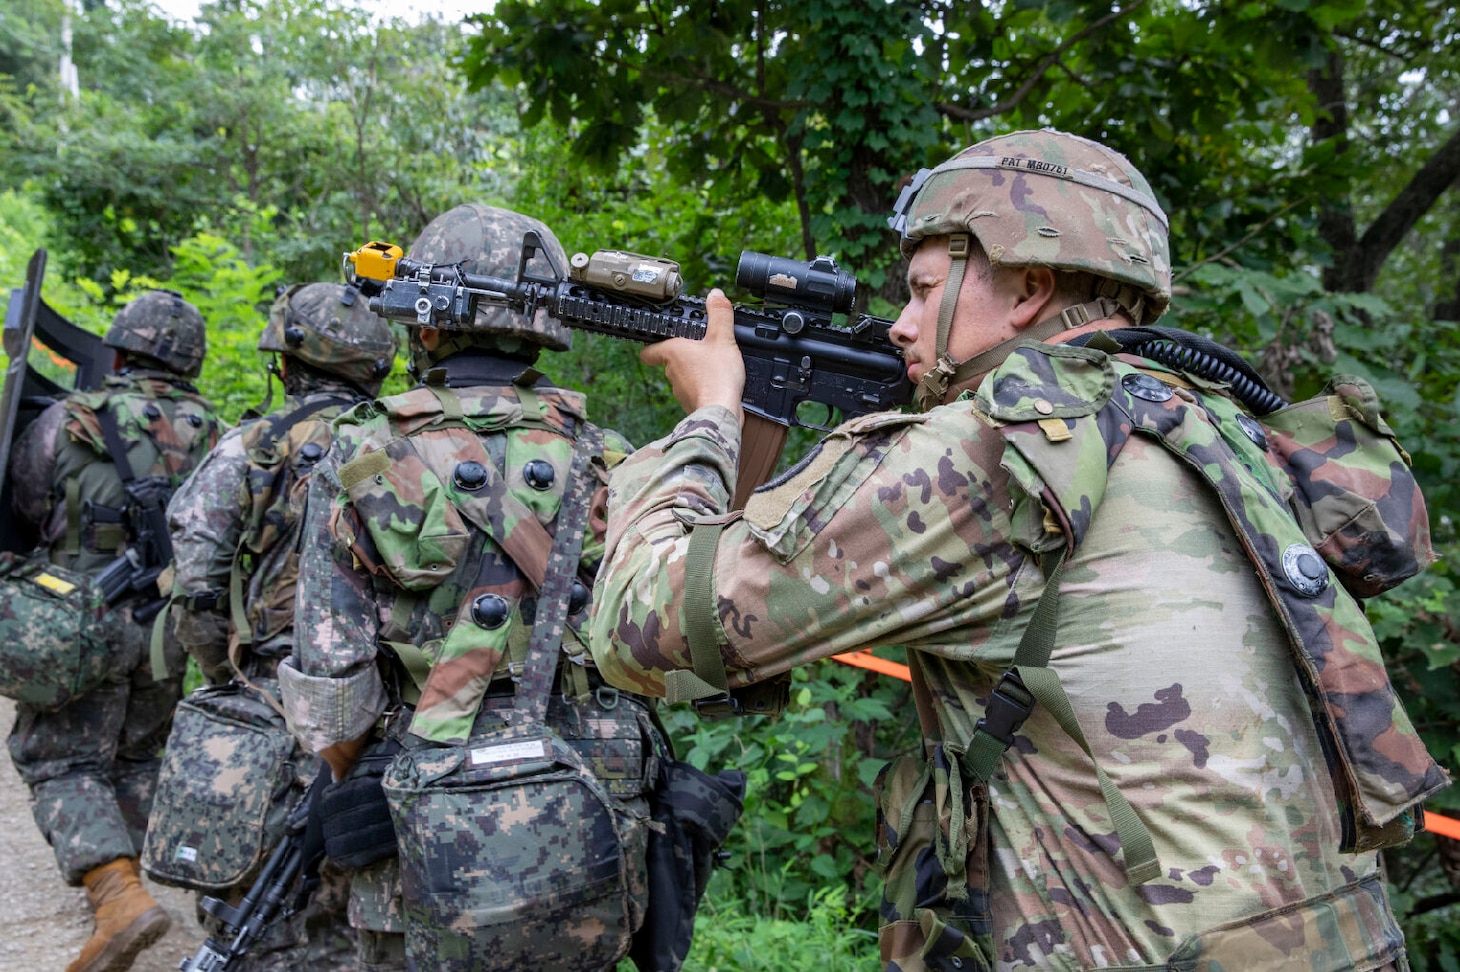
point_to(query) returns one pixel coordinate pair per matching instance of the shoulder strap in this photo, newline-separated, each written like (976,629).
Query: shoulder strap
(115,447)
(556,585)
(1030,680)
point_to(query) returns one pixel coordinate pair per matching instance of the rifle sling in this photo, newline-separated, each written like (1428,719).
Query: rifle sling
(1030,680)
(706,685)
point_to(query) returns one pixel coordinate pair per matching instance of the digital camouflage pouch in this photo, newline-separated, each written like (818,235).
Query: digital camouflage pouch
(52,648)
(513,856)
(223,792)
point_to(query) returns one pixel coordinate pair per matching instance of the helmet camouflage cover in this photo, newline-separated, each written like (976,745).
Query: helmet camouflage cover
(162,326)
(488,240)
(1049,199)
(329,327)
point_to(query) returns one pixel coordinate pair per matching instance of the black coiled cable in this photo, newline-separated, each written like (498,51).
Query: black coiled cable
(1207,359)
(1258,398)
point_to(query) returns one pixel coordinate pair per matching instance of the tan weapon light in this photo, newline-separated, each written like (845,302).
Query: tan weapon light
(652,278)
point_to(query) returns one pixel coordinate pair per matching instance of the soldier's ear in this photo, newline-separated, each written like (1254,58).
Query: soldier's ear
(428,337)
(1033,296)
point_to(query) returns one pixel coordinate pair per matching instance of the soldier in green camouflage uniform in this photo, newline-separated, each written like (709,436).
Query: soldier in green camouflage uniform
(417,602)
(1172,800)
(92,765)
(235,529)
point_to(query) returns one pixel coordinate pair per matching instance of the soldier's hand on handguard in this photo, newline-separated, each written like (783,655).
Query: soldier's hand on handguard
(706,372)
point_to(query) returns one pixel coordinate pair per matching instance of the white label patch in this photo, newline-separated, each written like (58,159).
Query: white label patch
(189,854)
(531,749)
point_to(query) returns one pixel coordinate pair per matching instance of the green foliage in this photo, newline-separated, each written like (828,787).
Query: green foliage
(808,807)
(822,936)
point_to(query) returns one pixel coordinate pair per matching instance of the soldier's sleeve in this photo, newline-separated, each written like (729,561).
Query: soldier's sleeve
(893,531)
(33,465)
(616,448)
(205,517)
(331,685)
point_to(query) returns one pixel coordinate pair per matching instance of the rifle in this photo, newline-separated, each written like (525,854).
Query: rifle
(149,549)
(793,348)
(267,901)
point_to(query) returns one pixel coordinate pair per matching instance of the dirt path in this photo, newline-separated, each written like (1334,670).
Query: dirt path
(43,923)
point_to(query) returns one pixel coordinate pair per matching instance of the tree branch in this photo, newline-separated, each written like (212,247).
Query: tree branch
(1041,66)
(1229,248)
(1438,174)
(708,84)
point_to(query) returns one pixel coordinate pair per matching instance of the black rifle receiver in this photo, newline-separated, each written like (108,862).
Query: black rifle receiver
(794,351)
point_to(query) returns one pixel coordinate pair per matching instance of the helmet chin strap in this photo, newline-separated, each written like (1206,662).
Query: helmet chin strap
(933,387)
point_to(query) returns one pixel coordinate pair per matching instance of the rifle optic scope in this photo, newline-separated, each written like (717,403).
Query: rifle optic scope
(819,283)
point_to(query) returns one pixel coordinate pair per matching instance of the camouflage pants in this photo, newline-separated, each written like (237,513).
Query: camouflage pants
(92,765)
(317,939)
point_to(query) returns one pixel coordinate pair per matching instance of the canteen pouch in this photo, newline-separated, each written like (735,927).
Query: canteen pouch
(1354,493)
(512,856)
(52,645)
(694,812)
(354,814)
(224,791)
(932,853)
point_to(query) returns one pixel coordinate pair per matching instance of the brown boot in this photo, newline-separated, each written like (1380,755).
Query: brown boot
(127,919)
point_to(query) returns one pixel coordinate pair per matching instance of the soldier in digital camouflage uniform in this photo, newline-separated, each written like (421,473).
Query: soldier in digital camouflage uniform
(92,765)
(391,554)
(1172,800)
(241,510)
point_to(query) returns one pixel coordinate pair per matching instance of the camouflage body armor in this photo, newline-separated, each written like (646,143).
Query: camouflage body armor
(483,472)
(1323,499)
(166,427)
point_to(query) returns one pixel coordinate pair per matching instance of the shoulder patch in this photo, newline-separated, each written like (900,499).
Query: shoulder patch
(769,504)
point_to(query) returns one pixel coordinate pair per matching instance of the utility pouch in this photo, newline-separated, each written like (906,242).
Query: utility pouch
(694,812)
(932,852)
(224,791)
(1352,927)
(52,644)
(513,855)
(1354,493)
(420,548)
(354,814)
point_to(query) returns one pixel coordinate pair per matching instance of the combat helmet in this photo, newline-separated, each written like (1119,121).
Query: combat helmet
(329,327)
(488,240)
(162,326)
(1046,199)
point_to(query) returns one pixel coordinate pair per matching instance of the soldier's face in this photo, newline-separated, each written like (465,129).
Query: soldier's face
(983,317)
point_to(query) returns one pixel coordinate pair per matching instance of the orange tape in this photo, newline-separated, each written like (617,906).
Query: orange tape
(865,659)
(1434,823)
(1444,826)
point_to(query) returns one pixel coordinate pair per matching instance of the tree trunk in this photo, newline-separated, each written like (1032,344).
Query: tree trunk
(1335,215)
